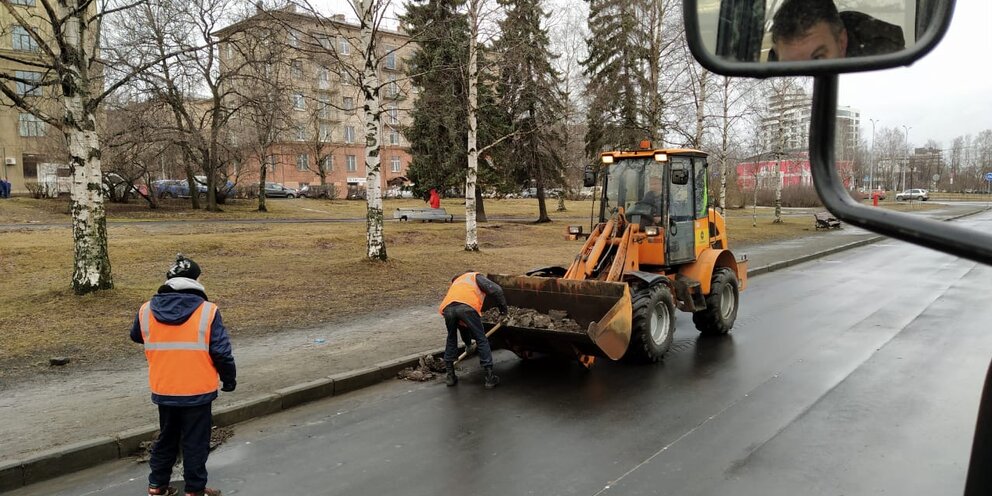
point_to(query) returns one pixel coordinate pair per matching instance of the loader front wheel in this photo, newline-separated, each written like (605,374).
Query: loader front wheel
(653,325)
(721,304)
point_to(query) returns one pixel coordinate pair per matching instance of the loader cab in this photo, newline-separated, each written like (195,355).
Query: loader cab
(662,188)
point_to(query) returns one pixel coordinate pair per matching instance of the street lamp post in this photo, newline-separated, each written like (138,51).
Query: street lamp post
(871,158)
(906,165)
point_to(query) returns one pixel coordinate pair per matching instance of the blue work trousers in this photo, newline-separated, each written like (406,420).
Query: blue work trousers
(187,427)
(456,313)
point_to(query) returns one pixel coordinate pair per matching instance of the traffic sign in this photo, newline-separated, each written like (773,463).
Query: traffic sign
(988,176)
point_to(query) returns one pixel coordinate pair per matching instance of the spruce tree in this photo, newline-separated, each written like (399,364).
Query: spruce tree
(614,69)
(439,130)
(531,91)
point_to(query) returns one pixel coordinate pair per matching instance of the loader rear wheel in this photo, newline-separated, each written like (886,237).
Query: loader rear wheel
(653,325)
(721,304)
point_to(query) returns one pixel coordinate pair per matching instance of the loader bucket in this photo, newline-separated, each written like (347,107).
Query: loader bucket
(602,309)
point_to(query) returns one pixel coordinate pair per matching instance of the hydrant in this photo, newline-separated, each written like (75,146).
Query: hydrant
(874,198)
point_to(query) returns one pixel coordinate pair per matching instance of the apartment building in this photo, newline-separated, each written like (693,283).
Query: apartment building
(29,150)
(311,118)
(788,118)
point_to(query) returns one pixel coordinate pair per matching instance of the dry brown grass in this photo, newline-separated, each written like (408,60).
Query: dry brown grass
(268,277)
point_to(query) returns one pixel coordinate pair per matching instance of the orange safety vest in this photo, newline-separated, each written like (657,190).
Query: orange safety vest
(179,362)
(464,290)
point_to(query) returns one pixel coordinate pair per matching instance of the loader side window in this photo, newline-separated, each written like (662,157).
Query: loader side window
(702,190)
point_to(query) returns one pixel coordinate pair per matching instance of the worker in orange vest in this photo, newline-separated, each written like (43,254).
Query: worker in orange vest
(462,307)
(187,348)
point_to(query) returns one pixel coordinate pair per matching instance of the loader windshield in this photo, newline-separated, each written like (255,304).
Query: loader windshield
(636,184)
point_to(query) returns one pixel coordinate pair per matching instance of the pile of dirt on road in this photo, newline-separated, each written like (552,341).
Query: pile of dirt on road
(218,435)
(526,317)
(426,370)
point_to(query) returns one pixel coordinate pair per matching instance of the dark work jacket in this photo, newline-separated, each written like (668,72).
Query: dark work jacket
(174,304)
(867,35)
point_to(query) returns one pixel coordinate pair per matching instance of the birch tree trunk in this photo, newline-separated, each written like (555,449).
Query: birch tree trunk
(375,241)
(91,267)
(471,226)
(725,143)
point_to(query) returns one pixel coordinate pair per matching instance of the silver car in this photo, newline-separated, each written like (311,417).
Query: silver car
(913,194)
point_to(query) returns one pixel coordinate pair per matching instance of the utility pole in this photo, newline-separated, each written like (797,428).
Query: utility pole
(871,157)
(906,165)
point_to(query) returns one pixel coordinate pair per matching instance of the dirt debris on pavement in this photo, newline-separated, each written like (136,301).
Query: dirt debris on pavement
(427,369)
(556,320)
(218,435)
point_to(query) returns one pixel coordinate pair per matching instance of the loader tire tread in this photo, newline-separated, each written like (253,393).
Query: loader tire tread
(709,321)
(644,349)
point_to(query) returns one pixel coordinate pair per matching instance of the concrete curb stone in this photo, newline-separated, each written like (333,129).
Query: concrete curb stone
(11,474)
(64,459)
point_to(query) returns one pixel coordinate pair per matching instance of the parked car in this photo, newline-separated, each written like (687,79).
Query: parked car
(913,194)
(222,192)
(276,190)
(866,195)
(170,188)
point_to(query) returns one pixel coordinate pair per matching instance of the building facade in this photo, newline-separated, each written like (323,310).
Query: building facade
(30,151)
(310,123)
(785,126)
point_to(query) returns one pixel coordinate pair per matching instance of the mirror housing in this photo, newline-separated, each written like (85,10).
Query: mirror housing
(589,176)
(734,48)
(680,174)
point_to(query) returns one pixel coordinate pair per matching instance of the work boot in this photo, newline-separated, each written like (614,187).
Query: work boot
(450,379)
(492,380)
(205,492)
(162,491)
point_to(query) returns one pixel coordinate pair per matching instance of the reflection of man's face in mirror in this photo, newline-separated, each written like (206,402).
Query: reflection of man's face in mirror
(808,30)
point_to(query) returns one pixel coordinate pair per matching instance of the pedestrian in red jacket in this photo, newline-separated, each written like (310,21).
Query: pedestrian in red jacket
(435,199)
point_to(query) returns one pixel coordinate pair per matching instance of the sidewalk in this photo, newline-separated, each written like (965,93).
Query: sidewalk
(47,414)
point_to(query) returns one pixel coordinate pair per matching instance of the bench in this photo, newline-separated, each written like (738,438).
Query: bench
(824,220)
(423,214)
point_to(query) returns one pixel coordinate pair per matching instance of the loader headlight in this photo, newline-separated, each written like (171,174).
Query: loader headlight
(651,230)
(661,157)
(574,229)
(607,159)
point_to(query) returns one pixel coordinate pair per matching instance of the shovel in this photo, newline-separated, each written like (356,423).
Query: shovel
(464,354)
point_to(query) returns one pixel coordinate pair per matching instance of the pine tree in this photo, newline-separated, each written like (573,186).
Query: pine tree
(531,90)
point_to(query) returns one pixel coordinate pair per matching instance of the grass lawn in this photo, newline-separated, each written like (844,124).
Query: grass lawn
(267,277)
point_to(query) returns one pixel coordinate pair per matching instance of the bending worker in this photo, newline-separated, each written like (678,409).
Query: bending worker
(462,306)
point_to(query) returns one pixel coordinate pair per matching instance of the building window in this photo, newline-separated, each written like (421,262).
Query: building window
(352,163)
(325,132)
(299,102)
(29,125)
(325,107)
(22,40)
(325,42)
(392,88)
(348,103)
(27,88)
(302,162)
(29,3)
(394,115)
(328,163)
(344,48)
(349,134)
(395,164)
(301,133)
(296,69)
(293,37)
(390,57)
(323,78)
(394,137)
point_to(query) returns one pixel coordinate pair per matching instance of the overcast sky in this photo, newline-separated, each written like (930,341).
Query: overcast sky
(946,94)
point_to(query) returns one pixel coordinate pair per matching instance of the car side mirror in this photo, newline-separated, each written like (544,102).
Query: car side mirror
(589,176)
(798,37)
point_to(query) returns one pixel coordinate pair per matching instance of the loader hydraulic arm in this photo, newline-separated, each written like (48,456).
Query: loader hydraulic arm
(604,255)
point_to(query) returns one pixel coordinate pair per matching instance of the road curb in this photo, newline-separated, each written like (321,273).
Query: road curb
(78,456)
(62,460)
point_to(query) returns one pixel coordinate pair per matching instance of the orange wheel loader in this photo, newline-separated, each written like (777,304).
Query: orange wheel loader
(657,246)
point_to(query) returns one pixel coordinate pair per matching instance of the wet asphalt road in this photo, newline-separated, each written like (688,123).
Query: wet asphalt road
(856,374)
